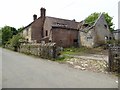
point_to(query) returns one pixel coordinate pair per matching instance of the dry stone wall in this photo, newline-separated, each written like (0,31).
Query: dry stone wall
(48,50)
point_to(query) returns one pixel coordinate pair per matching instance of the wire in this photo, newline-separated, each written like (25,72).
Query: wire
(66,6)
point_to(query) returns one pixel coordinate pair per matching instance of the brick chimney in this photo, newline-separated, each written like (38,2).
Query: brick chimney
(34,17)
(43,12)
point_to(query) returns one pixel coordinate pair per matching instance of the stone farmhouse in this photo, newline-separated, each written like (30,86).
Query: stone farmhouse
(50,29)
(66,33)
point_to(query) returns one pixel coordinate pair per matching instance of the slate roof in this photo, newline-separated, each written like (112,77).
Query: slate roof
(57,22)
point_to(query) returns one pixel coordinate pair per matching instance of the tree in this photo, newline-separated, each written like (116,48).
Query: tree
(93,17)
(109,21)
(14,42)
(7,33)
(20,29)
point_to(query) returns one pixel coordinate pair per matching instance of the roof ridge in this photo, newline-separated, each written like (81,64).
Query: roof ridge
(61,19)
(97,19)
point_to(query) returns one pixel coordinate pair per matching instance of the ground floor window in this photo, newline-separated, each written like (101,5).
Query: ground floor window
(46,33)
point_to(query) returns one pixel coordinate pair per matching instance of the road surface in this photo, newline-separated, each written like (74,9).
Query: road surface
(21,71)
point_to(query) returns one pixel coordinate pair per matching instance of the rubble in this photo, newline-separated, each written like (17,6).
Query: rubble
(88,64)
(70,62)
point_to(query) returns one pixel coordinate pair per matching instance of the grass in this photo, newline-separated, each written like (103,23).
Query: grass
(84,50)
(62,58)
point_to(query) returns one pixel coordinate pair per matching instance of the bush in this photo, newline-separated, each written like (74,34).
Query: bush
(14,43)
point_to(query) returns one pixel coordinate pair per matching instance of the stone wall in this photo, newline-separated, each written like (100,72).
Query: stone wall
(87,38)
(48,50)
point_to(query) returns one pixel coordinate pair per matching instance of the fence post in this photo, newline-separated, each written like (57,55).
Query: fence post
(109,59)
(54,51)
(118,51)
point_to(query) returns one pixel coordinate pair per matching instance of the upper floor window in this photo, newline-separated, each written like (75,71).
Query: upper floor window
(105,26)
(89,37)
(60,24)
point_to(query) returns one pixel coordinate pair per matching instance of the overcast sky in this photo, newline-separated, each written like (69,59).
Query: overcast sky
(18,13)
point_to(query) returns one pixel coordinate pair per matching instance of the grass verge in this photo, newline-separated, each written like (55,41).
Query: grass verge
(83,51)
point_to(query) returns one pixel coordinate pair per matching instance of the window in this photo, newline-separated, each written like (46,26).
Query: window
(116,55)
(110,38)
(89,37)
(27,39)
(105,26)
(75,40)
(46,32)
(106,37)
(59,24)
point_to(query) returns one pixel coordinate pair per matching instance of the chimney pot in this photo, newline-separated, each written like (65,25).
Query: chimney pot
(43,12)
(34,17)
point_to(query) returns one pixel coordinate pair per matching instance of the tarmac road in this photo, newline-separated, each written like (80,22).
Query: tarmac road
(21,71)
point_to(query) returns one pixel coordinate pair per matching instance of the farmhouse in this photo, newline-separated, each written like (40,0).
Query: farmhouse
(66,33)
(50,29)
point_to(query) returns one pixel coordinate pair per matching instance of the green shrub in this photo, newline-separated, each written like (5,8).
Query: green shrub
(14,42)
